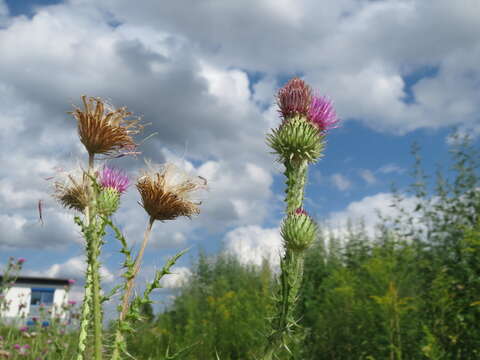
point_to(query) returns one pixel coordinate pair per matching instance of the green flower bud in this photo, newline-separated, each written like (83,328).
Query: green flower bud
(297,138)
(108,201)
(298,231)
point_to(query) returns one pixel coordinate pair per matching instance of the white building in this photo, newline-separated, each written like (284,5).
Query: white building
(33,299)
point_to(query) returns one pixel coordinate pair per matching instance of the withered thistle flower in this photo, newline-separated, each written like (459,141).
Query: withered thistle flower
(294,98)
(105,130)
(72,190)
(167,192)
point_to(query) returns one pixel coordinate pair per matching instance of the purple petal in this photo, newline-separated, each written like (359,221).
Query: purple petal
(115,179)
(322,114)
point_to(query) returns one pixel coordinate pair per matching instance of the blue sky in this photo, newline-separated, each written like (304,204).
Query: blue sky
(206,83)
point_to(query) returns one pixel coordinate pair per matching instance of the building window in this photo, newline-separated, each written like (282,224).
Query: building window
(42,296)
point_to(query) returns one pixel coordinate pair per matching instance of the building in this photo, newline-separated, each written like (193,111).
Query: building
(29,300)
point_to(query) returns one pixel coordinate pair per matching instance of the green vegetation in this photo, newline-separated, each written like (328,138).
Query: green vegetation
(408,290)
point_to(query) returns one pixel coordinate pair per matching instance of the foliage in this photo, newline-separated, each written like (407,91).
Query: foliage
(410,290)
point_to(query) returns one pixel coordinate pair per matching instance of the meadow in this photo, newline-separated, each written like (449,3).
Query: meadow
(408,289)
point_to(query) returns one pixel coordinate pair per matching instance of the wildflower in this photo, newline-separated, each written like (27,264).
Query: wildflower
(114,179)
(17,347)
(71,281)
(103,129)
(24,328)
(72,190)
(322,114)
(20,261)
(306,118)
(166,192)
(72,302)
(113,182)
(294,98)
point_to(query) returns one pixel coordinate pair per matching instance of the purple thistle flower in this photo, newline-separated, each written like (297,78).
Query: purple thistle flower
(17,347)
(114,179)
(71,281)
(294,98)
(322,114)
(21,260)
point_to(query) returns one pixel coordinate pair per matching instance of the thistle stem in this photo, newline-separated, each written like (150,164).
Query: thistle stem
(85,315)
(91,302)
(119,339)
(97,306)
(296,174)
(291,264)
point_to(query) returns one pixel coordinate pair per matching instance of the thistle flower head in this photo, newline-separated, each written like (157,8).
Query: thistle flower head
(306,119)
(294,98)
(322,114)
(72,190)
(114,179)
(167,192)
(103,129)
(298,230)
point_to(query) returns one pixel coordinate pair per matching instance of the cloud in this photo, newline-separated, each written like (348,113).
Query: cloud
(74,268)
(377,34)
(178,277)
(206,86)
(341,182)
(368,176)
(253,245)
(391,168)
(188,100)
(367,210)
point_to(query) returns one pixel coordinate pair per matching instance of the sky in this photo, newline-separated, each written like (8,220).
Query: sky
(204,75)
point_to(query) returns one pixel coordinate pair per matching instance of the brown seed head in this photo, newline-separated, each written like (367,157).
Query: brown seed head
(105,130)
(166,192)
(73,192)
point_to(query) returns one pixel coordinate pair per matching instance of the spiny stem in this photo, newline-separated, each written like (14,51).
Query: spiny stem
(119,339)
(291,264)
(85,315)
(136,269)
(296,174)
(97,306)
(87,299)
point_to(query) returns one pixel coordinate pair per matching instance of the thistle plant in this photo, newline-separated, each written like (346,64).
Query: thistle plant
(102,130)
(95,192)
(167,193)
(298,142)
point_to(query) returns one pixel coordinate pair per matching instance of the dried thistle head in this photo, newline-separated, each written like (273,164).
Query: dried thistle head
(105,130)
(167,192)
(72,190)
